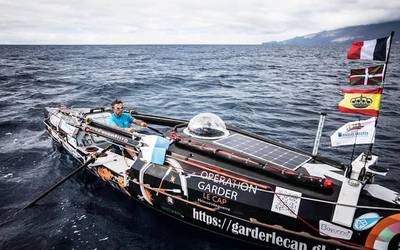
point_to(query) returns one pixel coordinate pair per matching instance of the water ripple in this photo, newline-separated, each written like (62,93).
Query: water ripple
(276,92)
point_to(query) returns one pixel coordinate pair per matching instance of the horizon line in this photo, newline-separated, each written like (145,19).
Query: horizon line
(122,44)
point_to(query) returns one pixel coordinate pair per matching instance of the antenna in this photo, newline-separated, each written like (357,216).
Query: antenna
(318,135)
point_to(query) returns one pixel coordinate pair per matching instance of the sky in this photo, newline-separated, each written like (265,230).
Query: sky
(181,21)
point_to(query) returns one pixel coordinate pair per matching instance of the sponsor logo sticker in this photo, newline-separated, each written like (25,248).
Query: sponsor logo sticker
(286,202)
(335,231)
(366,221)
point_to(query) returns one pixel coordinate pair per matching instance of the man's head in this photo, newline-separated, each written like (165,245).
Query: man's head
(117,107)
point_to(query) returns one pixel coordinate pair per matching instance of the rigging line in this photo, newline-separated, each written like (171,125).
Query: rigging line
(371,144)
(354,145)
(383,85)
(162,180)
(315,199)
(305,222)
(173,196)
(126,163)
(302,198)
(219,171)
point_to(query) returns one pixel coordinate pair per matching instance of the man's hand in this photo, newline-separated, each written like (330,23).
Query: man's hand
(143,124)
(130,130)
(140,123)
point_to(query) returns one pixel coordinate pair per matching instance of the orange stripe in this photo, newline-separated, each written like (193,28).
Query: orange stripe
(379,228)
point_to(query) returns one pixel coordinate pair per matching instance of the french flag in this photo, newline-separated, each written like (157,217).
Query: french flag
(371,50)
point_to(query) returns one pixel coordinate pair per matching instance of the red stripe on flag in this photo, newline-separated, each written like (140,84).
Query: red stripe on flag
(362,91)
(370,112)
(355,50)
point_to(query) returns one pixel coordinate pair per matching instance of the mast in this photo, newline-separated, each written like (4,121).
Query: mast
(318,135)
(383,85)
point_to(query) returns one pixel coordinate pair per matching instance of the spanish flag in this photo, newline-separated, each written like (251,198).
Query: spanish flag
(361,101)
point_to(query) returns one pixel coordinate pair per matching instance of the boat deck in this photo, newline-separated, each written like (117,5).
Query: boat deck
(255,175)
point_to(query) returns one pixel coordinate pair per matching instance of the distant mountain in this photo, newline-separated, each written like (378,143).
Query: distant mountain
(345,35)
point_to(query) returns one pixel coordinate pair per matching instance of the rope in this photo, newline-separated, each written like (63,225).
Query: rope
(278,195)
(315,199)
(305,222)
(292,196)
(165,175)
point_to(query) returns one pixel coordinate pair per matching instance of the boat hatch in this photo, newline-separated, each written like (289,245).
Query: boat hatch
(264,151)
(206,126)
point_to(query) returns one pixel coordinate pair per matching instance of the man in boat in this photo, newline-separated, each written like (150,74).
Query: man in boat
(124,121)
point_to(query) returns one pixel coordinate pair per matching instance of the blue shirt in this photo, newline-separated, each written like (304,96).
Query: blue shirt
(125,120)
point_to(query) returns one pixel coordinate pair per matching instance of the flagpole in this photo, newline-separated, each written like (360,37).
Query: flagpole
(387,58)
(383,84)
(354,145)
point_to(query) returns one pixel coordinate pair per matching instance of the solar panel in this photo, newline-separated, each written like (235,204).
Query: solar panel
(264,151)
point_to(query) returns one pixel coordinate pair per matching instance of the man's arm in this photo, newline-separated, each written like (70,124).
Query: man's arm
(112,123)
(140,123)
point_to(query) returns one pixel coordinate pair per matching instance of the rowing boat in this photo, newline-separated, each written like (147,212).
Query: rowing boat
(236,183)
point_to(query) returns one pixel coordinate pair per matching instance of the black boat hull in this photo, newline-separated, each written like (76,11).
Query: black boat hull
(222,197)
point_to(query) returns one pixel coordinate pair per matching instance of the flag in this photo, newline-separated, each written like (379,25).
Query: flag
(358,132)
(367,76)
(376,49)
(361,101)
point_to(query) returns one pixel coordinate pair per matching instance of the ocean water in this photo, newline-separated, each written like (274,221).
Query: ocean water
(276,92)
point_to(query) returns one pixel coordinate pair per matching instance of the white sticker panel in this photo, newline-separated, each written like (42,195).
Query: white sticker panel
(335,231)
(286,202)
(55,120)
(70,130)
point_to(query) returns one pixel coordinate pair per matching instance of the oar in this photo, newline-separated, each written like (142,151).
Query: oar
(30,204)
(91,160)
(155,130)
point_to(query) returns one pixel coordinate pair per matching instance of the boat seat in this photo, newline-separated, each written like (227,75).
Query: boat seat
(114,162)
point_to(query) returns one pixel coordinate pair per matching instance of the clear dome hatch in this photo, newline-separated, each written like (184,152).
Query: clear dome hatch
(206,126)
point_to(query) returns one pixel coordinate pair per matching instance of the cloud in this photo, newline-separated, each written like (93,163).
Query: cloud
(181,21)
